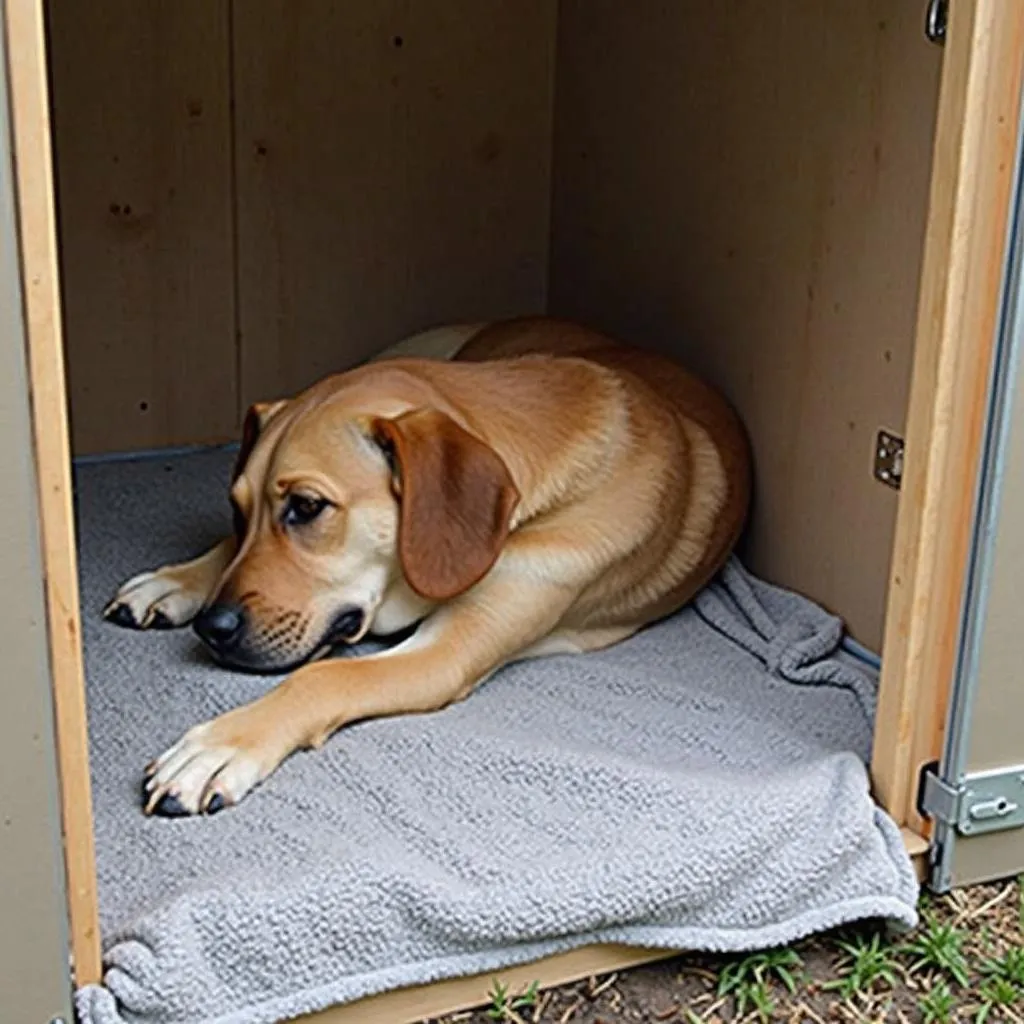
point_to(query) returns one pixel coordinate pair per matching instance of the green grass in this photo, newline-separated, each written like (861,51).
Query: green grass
(505,1006)
(939,947)
(761,1001)
(1009,967)
(748,980)
(938,1005)
(863,966)
(996,992)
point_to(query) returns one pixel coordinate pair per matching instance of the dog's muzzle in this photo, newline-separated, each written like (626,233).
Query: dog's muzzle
(225,629)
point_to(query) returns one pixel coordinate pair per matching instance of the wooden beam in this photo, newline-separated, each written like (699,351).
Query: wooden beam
(27,71)
(971,192)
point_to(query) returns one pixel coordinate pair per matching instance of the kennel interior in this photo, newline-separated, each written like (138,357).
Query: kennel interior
(251,195)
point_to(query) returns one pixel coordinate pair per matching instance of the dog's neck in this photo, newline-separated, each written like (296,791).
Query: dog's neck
(552,420)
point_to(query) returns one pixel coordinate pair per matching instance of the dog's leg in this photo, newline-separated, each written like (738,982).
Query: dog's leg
(218,762)
(173,595)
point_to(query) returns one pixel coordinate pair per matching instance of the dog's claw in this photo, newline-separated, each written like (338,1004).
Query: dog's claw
(120,615)
(215,804)
(158,620)
(169,806)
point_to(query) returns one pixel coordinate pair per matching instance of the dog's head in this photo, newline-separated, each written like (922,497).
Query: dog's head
(339,497)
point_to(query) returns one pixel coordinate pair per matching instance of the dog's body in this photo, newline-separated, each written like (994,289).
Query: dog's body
(530,488)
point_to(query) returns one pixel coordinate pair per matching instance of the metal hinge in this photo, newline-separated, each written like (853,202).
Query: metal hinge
(984,802)
(889,459)
(935,21)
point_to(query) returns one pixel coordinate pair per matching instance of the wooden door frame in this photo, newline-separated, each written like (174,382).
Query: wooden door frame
(33,166)
(966,247)
(34,984)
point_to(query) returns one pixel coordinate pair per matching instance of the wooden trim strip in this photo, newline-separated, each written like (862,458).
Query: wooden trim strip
(971,192)
(30,116)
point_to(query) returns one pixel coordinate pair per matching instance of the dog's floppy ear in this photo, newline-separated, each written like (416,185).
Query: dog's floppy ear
(457,499)
(258,416)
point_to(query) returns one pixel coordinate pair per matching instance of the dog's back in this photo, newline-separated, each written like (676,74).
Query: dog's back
(706,520)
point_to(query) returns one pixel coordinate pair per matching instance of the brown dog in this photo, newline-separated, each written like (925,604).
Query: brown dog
(534,488)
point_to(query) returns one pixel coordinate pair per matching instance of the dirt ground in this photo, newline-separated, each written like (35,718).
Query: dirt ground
(964,963)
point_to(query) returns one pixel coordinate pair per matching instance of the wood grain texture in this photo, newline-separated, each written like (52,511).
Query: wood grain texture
(143,143)
(745,185)
(961,282)
(393,173)
(27,71)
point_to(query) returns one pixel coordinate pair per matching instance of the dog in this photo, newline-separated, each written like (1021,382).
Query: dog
(507,491)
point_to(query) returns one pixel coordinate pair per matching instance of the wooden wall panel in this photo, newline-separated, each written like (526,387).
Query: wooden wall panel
(143,146)
(745,184)
(393,164)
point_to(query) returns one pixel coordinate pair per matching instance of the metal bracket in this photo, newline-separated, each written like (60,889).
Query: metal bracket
(936,20)
(938,799)
(984,802)
(889,459)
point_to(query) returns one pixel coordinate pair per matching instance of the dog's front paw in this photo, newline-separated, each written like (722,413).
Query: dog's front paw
(213,765)
(154,600)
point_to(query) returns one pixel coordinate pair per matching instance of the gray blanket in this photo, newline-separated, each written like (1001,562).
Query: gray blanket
(700,786)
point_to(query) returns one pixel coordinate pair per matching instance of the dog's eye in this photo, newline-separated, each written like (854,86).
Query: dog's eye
(238,518)
(387,449)
(300,509)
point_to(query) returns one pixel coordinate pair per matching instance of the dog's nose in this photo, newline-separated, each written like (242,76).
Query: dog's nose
(220,626)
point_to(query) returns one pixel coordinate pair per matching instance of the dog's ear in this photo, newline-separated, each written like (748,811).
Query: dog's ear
(456,497)
(256,419)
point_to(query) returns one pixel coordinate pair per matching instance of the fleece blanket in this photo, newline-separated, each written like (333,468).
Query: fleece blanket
(700,786)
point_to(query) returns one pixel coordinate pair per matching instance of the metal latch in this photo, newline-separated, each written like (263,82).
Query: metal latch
(935,21)
(984,802)
(889,459)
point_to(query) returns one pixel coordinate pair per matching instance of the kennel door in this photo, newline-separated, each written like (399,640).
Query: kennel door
(976,797)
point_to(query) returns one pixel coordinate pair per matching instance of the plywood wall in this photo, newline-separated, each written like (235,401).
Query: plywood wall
(141,97)
(393,173)
(744,184)
(387,166)
(253,194)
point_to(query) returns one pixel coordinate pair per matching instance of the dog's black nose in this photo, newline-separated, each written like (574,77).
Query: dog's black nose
(220,626)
